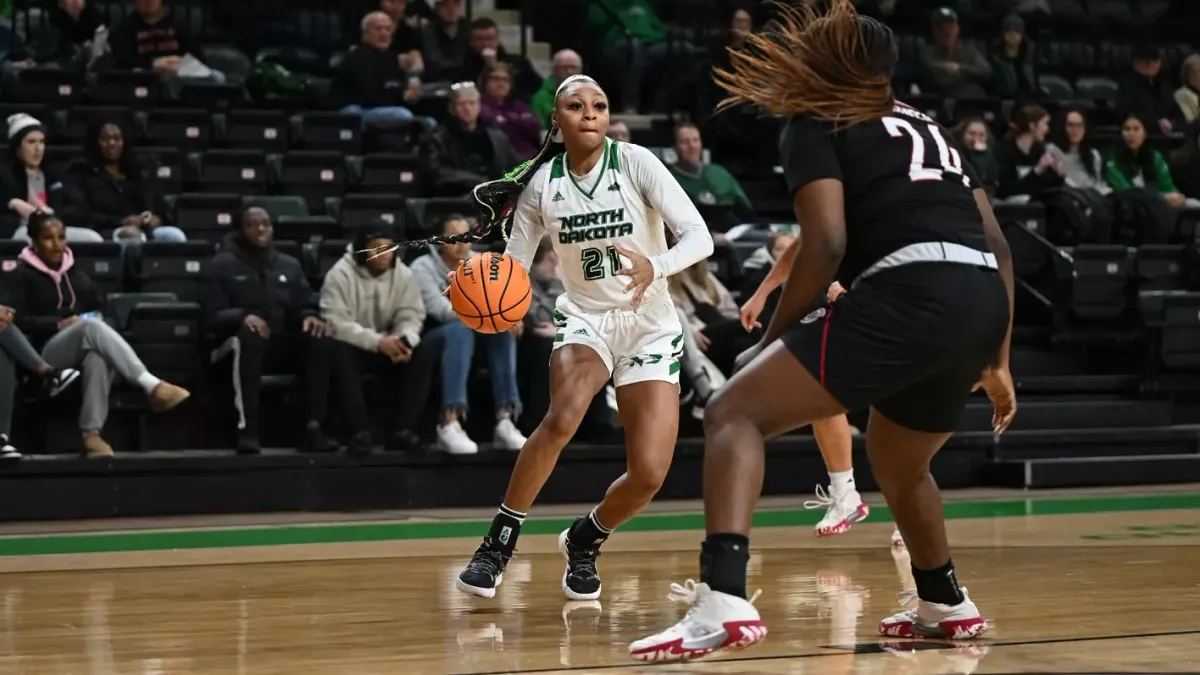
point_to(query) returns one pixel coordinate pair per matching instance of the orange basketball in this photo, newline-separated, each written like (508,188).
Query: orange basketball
(490,292)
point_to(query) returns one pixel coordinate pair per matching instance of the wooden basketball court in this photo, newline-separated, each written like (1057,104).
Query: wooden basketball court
(1099,582)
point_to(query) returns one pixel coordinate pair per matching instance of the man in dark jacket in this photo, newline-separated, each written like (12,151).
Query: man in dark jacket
(484,49)
(262,311)
(369,81)
(444,40)
(1146,93)
(473,152)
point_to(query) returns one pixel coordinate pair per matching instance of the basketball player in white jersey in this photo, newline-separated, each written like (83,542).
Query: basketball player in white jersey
(843,505)
(605,204)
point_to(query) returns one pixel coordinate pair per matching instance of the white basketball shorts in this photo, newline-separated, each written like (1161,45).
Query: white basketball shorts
(636,346)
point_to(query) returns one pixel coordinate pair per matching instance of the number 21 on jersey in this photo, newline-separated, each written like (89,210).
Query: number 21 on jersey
(593,263)
(949,158)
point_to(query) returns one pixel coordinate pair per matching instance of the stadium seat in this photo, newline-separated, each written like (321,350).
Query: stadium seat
(212,97)
(103,262)
(423,212)
(990,110)
(136,89)
(1097,89)
(166,335)
(1114,59)
(59,157)
(81,116)
(315,174)
(265,130)
(387,172)
(356,210)
(119,305)
(175,267)
(1180,346)
(10,254)
(328,253)
(54,87)
(230,60)
(166,164)
(242,171)
(1056,86)
(1159,275)
(187,129)
(1100,281)
(278,206)
(330,131)
(208,216)
(289,214)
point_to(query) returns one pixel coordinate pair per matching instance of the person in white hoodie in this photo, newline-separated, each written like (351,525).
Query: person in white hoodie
(374,306)
(458,349)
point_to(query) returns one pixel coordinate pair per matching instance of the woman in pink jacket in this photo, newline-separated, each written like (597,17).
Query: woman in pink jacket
(499,110)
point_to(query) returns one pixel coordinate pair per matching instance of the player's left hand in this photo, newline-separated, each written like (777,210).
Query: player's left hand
(316,327)
(640,273)
(835,291)
(997,383)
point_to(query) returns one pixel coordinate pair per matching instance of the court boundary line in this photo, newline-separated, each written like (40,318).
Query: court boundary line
(842,651)
(345,533)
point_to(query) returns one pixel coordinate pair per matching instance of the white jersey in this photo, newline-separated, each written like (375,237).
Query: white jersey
(624,200)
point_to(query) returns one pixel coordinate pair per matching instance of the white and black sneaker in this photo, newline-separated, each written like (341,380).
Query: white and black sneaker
(7,451)
(581,580)
(485,571)
(59,380)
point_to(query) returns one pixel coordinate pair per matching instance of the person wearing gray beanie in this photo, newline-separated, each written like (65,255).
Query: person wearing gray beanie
(27,186)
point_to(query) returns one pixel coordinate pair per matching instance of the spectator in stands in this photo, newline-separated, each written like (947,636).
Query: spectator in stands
(15,350)
(1028,166)
(370,82)
(619,131)
(1134,164)
(264,314)
(1014,62)
(1185,164)
(66,41)
(712,315)
(1145,93)
(954,69)
(373,304)
(1187,96)
(474,152)
(633,39)
(59,307)
(484,51)
(501,110)
(458,348)
(565,63)
(15,56)
(406,37)
(151,38)
(116,193)
(444,40)
(1085,166)
(974,138)
(28,186)
(714,190)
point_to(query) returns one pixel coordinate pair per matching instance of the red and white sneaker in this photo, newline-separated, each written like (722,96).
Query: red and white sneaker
(929,619)
(898,546)
(716,621)
(841,510)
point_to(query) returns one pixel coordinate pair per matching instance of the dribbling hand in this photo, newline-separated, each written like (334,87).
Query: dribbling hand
(450,278)
(997,383)
(640,273)
(750,312)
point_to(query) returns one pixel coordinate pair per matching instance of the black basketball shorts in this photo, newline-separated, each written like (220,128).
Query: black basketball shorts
(909,341)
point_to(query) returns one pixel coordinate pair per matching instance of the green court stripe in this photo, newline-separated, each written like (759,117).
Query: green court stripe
(106,542)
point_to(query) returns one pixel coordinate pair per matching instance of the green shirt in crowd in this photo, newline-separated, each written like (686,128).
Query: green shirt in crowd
(1122,177)
(712,186)
(611,18)
(542,103)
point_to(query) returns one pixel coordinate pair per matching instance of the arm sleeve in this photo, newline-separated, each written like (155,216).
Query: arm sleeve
(661,191)
(410,312)
(807,152)
(527,226)
(1166,182)
(219,316)
(436,305)
(38,328)
(1116,176)
(337,311)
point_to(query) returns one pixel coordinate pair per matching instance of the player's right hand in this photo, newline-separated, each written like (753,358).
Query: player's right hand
(750,312)
(997,383)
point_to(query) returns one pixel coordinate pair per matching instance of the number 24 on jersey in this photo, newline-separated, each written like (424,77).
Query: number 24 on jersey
(949,159)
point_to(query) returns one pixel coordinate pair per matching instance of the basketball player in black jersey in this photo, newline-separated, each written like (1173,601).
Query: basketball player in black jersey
(888,207)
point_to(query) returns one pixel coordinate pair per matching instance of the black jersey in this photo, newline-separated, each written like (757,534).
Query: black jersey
(905,182)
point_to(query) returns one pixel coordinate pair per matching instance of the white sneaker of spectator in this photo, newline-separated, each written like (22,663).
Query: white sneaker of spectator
(507,435)
(455,441)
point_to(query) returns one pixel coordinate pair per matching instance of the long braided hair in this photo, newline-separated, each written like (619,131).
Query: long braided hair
(494,200)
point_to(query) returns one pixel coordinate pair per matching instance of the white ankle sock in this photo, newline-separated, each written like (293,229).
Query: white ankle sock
(841,482)
(148,382)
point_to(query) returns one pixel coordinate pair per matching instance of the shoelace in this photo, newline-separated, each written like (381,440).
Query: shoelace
(583,561)
(823,500)
(487,560)
(687,592)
